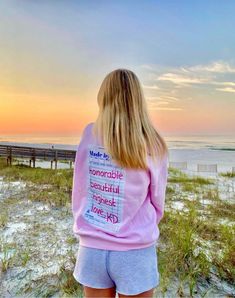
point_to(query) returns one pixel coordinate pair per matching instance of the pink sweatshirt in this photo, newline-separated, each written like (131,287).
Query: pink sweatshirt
(115,208)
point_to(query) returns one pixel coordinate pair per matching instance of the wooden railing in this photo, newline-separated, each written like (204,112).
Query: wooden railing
(33,153)
(54,155)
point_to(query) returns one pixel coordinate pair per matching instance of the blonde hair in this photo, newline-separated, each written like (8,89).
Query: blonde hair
(123,123)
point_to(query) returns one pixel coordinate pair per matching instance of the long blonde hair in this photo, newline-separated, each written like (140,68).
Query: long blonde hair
(123,123)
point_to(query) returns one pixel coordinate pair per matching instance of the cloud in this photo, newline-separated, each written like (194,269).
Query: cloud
(171,98)
(224,83)
(227,89)
(152,100)
(150,87)
(181,79)
(191,75)
(162,97)
(158,103)
(146,66)
(216,67)
(169,85)
(155,106)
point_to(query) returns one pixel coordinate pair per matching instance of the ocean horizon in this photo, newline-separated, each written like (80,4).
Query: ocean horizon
(193,149)
(216,142)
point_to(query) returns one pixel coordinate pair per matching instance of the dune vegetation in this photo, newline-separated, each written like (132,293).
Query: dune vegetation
(196,248)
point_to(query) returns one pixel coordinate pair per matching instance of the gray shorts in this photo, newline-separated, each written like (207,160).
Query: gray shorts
(131,272)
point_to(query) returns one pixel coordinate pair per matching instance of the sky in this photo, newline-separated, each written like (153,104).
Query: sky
(55,54)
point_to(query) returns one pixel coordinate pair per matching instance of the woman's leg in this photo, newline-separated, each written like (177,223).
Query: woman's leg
(92,292)
(144,294)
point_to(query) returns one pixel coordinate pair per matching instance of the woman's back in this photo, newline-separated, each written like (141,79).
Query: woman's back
(114,207)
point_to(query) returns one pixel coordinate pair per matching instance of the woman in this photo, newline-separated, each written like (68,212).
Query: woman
(119,183)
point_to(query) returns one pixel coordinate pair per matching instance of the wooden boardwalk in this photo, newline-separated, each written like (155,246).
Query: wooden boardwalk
(55,155)
(32,153)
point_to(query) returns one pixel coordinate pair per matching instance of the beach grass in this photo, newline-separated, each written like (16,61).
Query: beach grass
(196,241)
(178,176)
(3,218)
(60,178)
(177,254)
(42,184)
(228,174)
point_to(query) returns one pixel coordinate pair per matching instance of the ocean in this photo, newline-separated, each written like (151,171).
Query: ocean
(193,149)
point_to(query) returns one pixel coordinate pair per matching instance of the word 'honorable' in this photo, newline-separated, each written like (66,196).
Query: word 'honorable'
(114,174)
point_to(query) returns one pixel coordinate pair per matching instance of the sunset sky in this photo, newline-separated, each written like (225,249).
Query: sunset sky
(55,54)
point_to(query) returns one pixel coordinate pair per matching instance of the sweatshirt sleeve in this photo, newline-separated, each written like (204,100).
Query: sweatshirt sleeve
(158,182)
(76,182)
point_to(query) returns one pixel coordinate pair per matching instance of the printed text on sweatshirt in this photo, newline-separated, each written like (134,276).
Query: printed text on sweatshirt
(115,208)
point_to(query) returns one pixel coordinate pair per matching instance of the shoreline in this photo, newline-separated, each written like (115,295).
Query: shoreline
(225,160)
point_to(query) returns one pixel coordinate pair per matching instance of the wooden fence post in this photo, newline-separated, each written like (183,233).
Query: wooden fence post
(34,158)
(56,159)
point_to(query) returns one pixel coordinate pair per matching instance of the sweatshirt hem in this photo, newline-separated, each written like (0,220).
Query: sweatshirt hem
(101,244)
